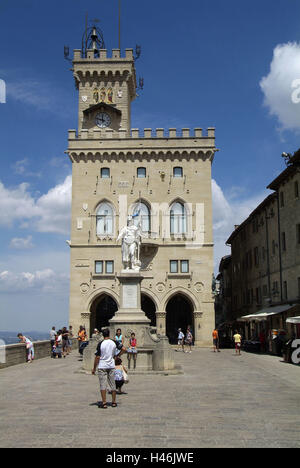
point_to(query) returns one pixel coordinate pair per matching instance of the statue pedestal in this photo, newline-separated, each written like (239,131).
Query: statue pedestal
(130,304)
(154,352)
(131,319)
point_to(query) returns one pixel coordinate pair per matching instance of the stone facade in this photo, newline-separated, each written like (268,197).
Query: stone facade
(265,252)
(163,175)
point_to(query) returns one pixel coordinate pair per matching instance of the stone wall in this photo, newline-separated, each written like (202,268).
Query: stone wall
(11,355)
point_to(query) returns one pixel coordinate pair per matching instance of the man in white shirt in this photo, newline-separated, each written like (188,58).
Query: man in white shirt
(105,363)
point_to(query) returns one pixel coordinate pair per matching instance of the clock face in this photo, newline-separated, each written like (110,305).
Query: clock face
(103,120)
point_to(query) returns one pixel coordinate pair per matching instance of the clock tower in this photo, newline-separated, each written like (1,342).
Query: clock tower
(161,178)
(107,86)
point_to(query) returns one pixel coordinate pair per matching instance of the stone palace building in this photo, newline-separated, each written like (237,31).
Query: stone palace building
(165,178)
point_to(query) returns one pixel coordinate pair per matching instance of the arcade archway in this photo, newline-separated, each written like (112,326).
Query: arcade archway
(179,315)
(102,311)
(148,306)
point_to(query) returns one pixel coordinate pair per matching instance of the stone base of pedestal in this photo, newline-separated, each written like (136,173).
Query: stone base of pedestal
(157,356)
(154,352)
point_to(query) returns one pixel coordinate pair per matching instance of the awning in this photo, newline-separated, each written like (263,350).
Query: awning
(294,320)
(267,312)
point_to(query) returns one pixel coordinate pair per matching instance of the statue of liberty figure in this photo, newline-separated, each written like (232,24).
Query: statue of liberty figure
(131,236)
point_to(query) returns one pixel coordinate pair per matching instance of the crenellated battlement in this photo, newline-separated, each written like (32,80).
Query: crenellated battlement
(147,133)
(103,56)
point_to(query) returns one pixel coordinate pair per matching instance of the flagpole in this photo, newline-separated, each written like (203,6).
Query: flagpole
(140,225)
(120,24)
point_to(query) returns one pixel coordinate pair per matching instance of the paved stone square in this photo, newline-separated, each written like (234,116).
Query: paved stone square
(221,400)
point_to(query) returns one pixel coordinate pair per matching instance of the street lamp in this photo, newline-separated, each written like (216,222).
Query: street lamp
(292,160)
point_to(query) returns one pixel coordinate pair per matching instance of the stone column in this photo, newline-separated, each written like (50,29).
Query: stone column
(197,325)
(161,323)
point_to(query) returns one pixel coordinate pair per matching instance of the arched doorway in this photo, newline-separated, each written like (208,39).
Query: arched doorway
(179,315)
(102,311)
(149,308)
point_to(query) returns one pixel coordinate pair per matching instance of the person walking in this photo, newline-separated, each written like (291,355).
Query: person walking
(180,339)
(29,347)
(81,336)
(65,341)
(105,363)
(238,342)
(132,350)
(189,339)
(52,341)
(215,335)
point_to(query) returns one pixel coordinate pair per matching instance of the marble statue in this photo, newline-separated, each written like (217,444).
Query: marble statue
(131,236)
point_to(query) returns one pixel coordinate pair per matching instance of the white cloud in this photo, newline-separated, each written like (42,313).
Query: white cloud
(15,204)
(49,213)
(21,243)
(228,212)
(39,94)
(45,281)
(55,209)
(21,168)
(281,87)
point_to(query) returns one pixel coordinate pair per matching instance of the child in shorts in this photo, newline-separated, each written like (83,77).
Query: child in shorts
(119,375)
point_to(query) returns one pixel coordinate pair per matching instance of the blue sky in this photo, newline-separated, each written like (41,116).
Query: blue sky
(203,64)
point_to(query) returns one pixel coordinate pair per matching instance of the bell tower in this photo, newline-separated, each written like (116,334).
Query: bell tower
(106,85)
(163,177)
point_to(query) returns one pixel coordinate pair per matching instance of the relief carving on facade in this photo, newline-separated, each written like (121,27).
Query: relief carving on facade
(84,287)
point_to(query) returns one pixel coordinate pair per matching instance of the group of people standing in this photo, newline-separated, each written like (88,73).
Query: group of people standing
(187,340)
(61,342)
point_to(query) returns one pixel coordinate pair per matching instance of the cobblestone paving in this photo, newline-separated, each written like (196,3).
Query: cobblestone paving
(221,400)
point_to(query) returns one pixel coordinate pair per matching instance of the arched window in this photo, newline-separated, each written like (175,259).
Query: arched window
(142,214)
(105,219)
(178,224)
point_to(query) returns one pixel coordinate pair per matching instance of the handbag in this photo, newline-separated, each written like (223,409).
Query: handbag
(125,377)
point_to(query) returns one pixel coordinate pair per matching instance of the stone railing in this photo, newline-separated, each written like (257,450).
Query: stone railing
(14,354)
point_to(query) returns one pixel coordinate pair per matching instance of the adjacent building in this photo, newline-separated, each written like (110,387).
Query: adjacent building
(265,256)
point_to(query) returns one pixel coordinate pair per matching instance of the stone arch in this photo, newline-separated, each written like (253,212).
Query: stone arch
(179,314)
(149,306)
(104,200)
(102,307)
(185,292)
(100,292)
